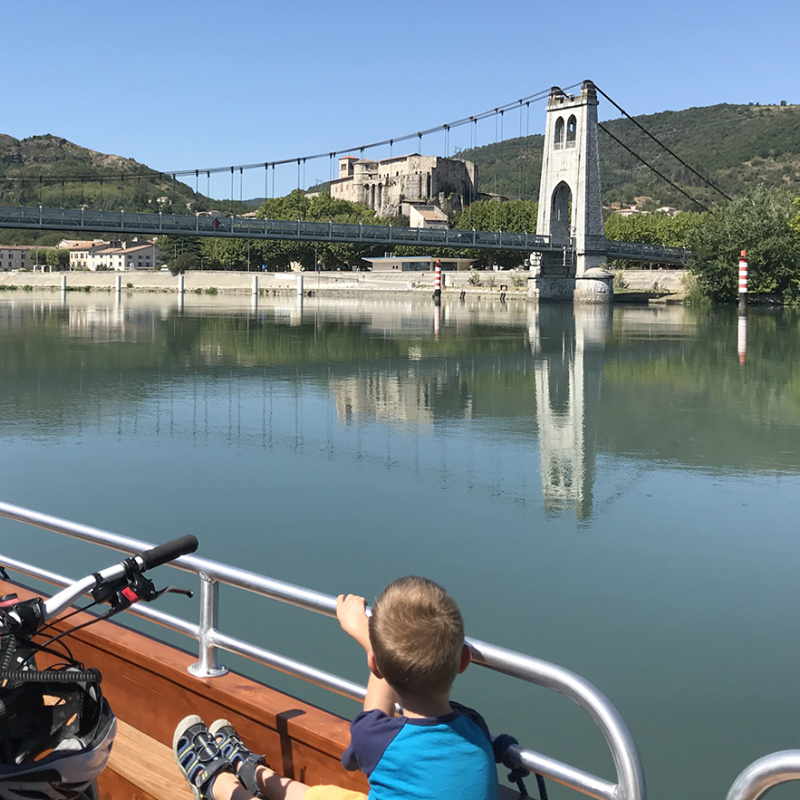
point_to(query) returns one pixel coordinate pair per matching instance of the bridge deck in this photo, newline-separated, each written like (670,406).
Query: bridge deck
(121,222)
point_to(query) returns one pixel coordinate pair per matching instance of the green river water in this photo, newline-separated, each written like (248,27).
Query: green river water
(613,492)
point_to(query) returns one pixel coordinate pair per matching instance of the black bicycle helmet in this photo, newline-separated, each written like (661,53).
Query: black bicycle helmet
(56,732)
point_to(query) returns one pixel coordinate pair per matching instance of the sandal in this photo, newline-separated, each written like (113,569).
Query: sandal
(240,759)
(197,755)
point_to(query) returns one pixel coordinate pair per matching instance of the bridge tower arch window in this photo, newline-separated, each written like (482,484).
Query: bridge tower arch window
(561,212)
(558,139)
(572,131)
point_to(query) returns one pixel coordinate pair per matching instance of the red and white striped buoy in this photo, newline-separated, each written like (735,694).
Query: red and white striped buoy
(743,264)
(437,282)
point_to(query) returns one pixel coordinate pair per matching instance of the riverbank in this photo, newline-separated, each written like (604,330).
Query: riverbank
(510,283)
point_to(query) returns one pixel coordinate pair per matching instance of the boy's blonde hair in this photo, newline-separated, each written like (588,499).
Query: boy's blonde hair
(417,636)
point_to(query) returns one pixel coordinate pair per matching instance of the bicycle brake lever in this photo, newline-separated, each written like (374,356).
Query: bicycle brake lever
(171,590)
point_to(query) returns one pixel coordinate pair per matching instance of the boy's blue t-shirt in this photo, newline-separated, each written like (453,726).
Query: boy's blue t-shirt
(423,759)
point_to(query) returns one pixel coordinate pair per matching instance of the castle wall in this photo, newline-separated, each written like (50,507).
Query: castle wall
(385,185)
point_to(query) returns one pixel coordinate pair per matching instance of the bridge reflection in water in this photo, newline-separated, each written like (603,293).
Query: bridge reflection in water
(238,373)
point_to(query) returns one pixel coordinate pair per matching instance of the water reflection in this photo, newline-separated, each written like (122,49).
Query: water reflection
(526,390)
(569,372)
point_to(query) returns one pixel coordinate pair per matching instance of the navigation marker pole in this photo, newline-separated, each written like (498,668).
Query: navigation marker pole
(742,339)
(742,332)
(437,282)
(743,264)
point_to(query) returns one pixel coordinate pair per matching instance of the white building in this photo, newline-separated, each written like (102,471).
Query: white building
(80,250)
(138,254)
(427,217)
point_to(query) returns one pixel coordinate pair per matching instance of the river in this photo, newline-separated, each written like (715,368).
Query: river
(613,492)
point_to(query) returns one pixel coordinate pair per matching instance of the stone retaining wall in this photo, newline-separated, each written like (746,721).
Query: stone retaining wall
(323,283)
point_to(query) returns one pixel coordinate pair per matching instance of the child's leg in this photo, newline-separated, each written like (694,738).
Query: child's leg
(270,784)
(276,787)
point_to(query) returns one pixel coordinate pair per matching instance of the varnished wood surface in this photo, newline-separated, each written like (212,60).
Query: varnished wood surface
(147,764)
(148,686)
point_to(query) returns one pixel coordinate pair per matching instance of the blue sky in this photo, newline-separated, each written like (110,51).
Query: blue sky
(187,85)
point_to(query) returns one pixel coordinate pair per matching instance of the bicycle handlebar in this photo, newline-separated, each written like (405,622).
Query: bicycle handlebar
(168,551)
(149,559)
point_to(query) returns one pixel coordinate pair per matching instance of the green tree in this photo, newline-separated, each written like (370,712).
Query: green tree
(514,216)
(184,262)
(760,222)
(55,258)
(172,247)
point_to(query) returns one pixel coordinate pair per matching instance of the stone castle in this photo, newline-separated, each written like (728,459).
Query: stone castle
(394,185)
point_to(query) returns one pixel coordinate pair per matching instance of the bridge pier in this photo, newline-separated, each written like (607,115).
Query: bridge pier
(594,286)
(553,278)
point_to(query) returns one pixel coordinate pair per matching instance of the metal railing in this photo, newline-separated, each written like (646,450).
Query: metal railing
(647,252)
(128,222)
(762,775)
(630,783)
(131,222)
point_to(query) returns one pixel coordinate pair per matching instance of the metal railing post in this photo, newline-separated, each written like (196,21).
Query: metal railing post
(207,666)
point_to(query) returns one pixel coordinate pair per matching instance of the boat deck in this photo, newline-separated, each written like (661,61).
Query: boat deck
(148,686)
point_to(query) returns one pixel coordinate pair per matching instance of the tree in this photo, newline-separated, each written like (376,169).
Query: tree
(172,247)
(514,216)
(55,258)
(184,262)
(760,222)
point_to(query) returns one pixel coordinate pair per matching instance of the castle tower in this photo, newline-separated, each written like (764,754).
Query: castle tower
(570,195)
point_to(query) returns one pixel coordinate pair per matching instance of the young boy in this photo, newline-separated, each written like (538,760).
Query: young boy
(415,648)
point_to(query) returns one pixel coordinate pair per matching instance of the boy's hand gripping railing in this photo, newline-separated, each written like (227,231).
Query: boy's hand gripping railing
(630,775)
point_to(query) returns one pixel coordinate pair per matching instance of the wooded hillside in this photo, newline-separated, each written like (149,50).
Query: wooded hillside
(736,146)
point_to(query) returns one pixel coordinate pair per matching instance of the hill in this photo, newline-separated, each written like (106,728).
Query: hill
(61,174)
(736,146)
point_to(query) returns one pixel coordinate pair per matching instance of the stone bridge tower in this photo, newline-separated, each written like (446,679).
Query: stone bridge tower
(570,196)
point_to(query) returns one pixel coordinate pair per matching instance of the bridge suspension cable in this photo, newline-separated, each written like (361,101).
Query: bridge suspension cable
(641,127)
(660,175)
(301,160)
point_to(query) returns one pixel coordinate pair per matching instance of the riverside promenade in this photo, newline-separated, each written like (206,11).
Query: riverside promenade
(513,283)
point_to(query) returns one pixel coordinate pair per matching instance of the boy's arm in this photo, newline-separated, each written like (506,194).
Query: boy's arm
(351,613)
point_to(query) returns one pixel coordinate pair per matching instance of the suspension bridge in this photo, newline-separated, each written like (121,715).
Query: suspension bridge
(123,223)
(568,245)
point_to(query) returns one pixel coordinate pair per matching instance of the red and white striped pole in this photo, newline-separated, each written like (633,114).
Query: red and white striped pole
(742,339)
(437,282)
(743,263)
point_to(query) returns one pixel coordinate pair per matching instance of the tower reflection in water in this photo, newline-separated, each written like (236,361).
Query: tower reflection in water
(568,366)
(565,364)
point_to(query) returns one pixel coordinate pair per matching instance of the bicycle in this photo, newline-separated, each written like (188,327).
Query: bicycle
(56,728)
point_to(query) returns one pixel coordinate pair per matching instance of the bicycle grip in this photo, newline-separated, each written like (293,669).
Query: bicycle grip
(168,551)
